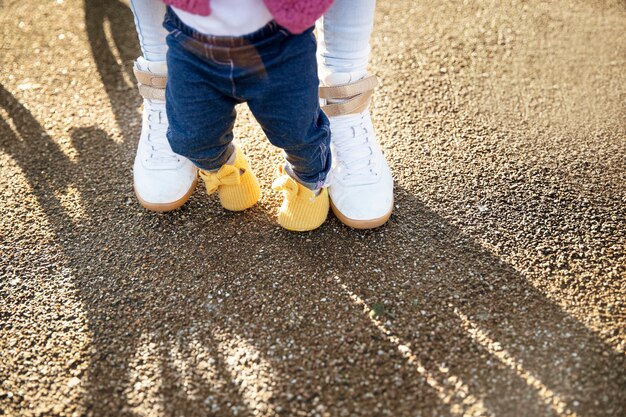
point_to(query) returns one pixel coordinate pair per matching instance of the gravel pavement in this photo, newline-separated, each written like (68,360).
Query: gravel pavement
(497,288)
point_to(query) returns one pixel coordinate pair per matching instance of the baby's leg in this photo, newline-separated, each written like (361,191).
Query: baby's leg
(286,104)
(201,116)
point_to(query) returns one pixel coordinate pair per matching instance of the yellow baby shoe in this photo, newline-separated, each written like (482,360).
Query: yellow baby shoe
(235,184)
(301,210)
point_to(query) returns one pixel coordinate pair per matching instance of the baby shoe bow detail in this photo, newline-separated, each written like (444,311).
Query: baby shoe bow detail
(301,209)
(285,183)
(226,175)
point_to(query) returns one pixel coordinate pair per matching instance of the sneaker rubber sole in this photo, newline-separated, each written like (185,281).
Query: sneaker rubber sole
(163,207)
(362,224)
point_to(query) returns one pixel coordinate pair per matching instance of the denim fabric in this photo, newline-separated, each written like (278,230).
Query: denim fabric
(272,70)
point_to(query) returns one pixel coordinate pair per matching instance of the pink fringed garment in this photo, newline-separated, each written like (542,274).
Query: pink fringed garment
(295,15)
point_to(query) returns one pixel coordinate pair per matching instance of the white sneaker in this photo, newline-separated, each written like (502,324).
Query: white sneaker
(361,188)
(163,180)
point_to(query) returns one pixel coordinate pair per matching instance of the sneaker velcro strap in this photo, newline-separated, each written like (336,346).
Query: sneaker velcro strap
(356,104)
(151,93)
(150,79)
(349,90)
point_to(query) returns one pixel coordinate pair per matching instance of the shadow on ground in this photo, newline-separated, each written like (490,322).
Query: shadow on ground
(198,297)
(202,312)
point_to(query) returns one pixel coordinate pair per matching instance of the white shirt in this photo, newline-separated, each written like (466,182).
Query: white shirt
(228,17)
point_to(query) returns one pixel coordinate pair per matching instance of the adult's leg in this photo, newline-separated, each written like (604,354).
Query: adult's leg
(362,187)
(162,179)
(149,23)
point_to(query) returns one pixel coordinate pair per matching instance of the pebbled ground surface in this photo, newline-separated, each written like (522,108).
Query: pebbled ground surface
(498,287)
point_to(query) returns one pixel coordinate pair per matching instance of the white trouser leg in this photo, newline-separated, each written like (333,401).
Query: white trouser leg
(343,36)
(149,23)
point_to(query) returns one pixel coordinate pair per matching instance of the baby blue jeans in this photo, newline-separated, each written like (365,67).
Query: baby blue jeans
(272,70)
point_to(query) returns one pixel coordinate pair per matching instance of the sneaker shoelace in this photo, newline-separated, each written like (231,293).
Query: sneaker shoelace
(353,150)
(160,153)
